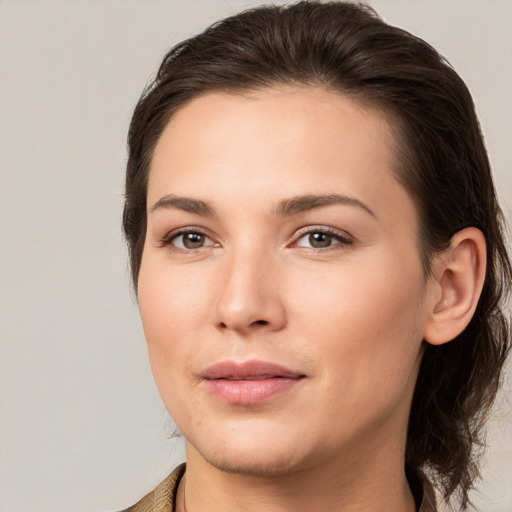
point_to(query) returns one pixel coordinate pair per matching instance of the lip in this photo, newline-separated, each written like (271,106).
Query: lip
(249,382)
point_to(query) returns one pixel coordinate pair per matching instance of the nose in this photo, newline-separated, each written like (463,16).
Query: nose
(250,296)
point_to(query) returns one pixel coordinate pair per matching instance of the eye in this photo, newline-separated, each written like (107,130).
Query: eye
(187,240)
(321,239)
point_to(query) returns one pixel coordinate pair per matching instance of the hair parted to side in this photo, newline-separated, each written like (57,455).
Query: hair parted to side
(441,161)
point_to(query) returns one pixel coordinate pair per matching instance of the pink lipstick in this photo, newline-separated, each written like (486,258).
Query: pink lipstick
(249,382)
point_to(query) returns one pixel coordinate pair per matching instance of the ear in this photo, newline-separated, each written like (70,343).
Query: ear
(458,278)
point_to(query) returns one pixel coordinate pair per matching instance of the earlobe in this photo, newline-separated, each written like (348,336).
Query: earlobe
(459,275)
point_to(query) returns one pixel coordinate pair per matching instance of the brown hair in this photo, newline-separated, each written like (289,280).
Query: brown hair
(442,162)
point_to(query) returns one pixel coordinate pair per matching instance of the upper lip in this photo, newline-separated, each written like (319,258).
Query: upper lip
(248,370)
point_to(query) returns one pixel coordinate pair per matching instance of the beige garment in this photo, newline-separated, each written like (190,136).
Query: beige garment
(162,498)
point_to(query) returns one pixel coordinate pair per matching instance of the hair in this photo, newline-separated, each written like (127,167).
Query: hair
(441,160)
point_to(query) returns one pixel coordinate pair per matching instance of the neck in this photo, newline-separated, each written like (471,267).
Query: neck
(355,484)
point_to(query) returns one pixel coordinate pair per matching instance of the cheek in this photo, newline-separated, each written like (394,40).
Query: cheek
(360,297)
(173,308)
(172,299)
(366,323)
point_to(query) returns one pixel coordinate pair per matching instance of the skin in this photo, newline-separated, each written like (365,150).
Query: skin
(350,317)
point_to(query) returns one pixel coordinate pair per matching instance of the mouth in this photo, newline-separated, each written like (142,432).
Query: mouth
(250,382)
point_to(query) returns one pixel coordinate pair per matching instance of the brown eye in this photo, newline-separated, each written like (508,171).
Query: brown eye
(319,240)
(322,239)
(191,240)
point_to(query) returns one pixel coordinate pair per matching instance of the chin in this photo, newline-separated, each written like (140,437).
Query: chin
(258,454)
(252,465)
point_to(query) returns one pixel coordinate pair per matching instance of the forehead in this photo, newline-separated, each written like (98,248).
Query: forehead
(274,142)
(286,114)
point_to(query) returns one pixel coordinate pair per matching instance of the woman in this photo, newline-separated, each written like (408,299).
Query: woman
(318,256)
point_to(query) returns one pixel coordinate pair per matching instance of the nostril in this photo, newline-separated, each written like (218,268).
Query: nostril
(227,326)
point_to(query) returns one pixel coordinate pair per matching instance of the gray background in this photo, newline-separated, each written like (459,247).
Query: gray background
(82,426)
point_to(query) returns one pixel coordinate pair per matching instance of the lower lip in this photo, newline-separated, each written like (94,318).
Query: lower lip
(246,392)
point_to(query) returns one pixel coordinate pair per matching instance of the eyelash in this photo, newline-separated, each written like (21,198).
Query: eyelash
(341,240)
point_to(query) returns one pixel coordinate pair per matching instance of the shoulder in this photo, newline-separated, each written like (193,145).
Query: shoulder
(162,497)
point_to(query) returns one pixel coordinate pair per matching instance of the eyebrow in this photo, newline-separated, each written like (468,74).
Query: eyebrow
(285,208)
(185,204)
(309,202)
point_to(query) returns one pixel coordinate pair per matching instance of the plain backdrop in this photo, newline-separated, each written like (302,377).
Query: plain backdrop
(82,426)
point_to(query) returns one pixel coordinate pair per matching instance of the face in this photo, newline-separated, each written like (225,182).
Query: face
(281,287)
